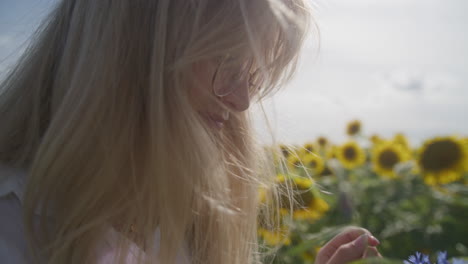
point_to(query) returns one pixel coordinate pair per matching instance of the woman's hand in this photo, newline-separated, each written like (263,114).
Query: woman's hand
(352,244)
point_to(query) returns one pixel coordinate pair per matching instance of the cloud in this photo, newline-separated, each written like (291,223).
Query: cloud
(427,87)
(411,80)
(404,80)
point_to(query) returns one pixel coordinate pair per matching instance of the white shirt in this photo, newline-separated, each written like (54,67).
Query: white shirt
(13,248)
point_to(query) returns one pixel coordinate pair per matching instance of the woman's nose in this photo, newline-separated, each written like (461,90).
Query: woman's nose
(239,99)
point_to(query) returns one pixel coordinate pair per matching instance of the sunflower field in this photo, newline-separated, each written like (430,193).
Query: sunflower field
(411,199)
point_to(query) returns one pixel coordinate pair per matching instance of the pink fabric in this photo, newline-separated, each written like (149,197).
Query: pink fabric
(107,252)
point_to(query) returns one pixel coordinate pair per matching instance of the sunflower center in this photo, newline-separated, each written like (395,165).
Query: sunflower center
(285,152)
(440,155)
(303,197)
(350,153)
(322,141)
(354,128)
(312,164)
(388,159)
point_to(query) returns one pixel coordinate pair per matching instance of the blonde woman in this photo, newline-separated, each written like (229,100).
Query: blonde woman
(125,135)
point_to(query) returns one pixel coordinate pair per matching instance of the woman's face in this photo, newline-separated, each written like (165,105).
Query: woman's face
(207,104)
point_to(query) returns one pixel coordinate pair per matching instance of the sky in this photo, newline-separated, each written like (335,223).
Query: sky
(395,65)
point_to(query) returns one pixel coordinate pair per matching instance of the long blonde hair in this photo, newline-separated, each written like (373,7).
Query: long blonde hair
(97,112)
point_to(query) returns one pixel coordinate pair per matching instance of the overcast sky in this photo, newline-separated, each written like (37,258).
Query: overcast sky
(396,65)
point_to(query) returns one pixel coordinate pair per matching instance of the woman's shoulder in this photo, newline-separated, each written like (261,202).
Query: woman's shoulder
(12,243)
(11,193)
(12,181)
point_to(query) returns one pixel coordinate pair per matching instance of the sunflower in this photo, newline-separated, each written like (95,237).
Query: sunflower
(295,162)
(351,155)
(331,152)
(322,142)
(375,139)
(285,181)
(273,232)
(353,128)
(326,171)
(312,211)
(307,205)
(308,148)
(401,139)
(261,195)
(310,254)
(271,227)
(314,163)
(286,150)
(386,155)
(280,236)
(443,160)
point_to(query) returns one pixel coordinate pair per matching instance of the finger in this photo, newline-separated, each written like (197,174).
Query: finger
(348,235)
(371,252)
(351,251)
